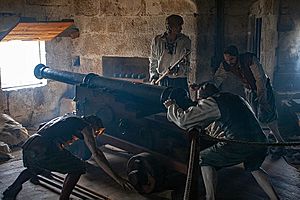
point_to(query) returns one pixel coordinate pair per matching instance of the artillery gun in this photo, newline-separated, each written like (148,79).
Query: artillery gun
(135,121)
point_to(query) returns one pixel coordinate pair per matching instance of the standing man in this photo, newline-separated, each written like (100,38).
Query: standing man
(224,115)
(167,49)
(258,89)
(45,151)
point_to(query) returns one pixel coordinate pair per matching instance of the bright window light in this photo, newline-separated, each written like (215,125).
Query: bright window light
(17,62)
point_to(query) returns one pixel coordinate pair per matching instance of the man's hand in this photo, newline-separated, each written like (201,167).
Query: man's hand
(153,79)
(153,82)
(194,86)
(169,102)
(124,183)
(101,160)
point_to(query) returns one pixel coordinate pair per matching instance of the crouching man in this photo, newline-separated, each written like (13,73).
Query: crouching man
(227,116)
(45,151)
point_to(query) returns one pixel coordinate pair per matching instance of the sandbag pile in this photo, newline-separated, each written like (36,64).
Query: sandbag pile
(12,133)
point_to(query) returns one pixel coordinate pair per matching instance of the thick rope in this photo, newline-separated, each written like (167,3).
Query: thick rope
(251,143)
(188,183)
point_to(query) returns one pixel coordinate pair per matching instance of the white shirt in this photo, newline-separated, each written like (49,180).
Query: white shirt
(225,79)
(161,60)
(204,114)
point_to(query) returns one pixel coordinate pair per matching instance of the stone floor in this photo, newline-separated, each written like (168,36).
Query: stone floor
(233,183)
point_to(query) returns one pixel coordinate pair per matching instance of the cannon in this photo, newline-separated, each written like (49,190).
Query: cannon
(135,121)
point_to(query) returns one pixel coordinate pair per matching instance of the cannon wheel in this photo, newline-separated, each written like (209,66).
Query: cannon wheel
(145,173)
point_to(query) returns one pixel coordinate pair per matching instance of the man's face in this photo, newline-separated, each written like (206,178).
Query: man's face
(231,60)
(175,28)
(201,93)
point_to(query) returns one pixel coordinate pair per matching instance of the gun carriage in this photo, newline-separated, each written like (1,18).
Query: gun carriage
(134,118)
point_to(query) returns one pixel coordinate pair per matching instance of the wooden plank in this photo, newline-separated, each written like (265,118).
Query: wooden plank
(44,31)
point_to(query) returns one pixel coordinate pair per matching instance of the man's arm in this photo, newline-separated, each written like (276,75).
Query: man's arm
(219,76)
(201,115)
(100,158)
(153,61)
(261,80)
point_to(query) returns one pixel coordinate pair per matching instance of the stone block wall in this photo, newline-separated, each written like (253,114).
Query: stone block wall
(287,74)
(122,28)
(107,28)
(236,14)
(268,10)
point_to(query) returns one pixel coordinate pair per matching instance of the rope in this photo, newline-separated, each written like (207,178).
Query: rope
(252,143)
(188,183)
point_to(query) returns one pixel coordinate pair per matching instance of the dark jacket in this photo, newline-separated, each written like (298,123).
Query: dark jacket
(237,118)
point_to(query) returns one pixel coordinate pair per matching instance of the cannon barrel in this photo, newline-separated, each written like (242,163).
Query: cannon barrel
(133,115)
(151,94)
(41,71)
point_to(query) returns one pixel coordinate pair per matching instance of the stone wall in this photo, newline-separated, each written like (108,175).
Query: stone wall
(34,105)
(107,28)
(287,74)
(204,41)
(117,28)
(235,19)
(268,10)
(236,15)
(280,45)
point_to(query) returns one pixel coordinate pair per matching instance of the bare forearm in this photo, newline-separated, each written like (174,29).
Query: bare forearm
(102,162)
(260,78)
(98,154)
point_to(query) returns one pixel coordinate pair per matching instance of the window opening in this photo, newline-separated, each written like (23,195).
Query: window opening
(17,62)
